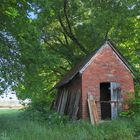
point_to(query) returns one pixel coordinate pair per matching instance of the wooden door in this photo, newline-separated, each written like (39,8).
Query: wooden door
(115,98)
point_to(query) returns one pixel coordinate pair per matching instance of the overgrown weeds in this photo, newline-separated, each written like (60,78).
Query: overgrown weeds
(15,126)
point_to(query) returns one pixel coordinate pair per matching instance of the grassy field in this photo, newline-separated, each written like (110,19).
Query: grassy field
(13,126)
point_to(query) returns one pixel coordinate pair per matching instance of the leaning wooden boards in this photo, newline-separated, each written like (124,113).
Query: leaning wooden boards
(92,109)
(67,103)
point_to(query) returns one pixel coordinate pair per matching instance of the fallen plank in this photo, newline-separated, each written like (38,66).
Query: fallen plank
(90,106)
(95,113)
(92,109)
(90,112)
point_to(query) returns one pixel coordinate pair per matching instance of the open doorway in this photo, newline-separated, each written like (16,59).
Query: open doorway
(105,97)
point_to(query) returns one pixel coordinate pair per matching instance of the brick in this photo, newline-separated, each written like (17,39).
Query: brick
(106,67)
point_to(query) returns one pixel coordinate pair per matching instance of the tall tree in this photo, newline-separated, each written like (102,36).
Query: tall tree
(61,34)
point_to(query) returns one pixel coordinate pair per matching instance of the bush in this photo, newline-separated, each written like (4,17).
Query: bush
(49,116)
(134,106)
(128,113)
(55,118)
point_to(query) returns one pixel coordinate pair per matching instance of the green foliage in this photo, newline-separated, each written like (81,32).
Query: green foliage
(13,16)
(134,106)
(14,127)
(137,89)
(128,113)
(3,136)
(117,130)
(53,118)
(62,33)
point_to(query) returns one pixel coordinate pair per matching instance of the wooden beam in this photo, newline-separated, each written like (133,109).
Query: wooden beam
(90,98)
(64,100)
(92,109)
(76,105)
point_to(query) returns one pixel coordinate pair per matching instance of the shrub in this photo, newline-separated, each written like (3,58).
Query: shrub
(55,118)
(133,104)
(49,116)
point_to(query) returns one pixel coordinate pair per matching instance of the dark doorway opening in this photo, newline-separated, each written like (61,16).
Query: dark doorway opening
(105,97)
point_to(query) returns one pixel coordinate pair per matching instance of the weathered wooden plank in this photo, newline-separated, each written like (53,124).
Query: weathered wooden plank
(57,102)
(90,106)
(71,104)
(60,101)
(109,101)
(114,97)
(60,110)
(67,103)
(92,109)
(63,102)
(95,113)
(76,105)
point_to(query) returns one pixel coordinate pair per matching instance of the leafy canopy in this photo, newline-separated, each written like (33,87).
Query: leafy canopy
(37,52)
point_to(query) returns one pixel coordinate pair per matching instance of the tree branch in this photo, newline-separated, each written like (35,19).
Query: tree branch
(69,32)
(66,16)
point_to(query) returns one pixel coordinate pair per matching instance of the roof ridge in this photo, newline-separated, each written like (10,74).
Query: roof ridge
(85,62)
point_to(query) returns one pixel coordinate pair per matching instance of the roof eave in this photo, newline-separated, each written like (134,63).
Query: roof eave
(121,57)
(67,81)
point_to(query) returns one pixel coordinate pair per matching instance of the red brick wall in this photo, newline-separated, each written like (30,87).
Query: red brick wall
(106,67)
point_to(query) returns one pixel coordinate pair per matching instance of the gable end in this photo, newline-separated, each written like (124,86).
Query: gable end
(116,52)
(82,66)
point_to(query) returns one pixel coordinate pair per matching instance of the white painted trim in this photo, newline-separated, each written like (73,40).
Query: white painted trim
(122,62)
(116,54)
(94,56)
(106,44)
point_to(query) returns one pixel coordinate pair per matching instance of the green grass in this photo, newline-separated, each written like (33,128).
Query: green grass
(8,111)
(13,126)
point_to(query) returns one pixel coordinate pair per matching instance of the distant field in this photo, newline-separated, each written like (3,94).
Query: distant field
(9,111)
(13,126)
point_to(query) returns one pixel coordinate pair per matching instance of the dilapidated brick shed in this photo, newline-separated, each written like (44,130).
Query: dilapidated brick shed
(106,75)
